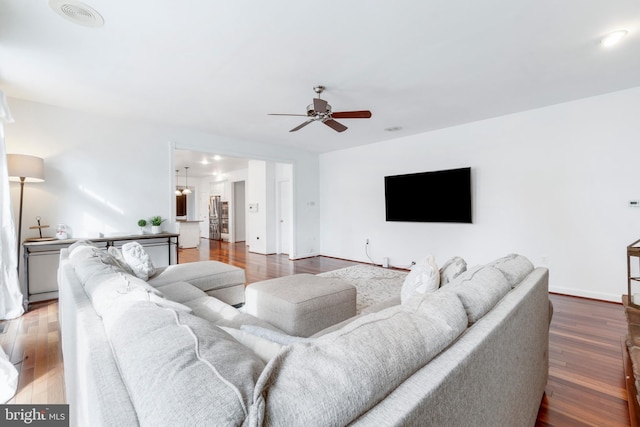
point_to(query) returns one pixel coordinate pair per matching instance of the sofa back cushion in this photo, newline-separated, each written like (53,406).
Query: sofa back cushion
(181,369)
(479,288)
(514,267)
(107,285)
(341,375)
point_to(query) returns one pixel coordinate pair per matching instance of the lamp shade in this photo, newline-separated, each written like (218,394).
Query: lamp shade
(30,168)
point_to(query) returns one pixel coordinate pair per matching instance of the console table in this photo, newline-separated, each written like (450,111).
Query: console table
(41,260)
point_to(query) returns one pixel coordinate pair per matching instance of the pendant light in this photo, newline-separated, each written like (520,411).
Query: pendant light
(186,185)
(178,192)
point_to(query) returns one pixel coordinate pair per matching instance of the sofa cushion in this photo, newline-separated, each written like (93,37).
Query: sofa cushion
(452,269)
(514,267)
(205,275)
(181,292)
(223,314)
(138,260)
(262,347)
(424,277)
(479,289)
(274,336)
(339,376)
(180,369)
(92,268)
(82,252)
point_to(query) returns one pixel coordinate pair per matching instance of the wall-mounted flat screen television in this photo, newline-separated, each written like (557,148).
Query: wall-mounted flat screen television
(438,196)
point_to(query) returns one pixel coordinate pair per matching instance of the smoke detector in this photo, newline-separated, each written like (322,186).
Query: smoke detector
(77,12)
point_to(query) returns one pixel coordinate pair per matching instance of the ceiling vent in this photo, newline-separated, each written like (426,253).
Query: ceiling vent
(77,12)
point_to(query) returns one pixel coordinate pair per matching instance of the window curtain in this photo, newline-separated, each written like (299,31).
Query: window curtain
(10,295)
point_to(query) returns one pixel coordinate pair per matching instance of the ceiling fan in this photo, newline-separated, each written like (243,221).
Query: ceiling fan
(320,111)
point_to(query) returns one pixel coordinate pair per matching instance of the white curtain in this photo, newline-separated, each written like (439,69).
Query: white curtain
(10,295)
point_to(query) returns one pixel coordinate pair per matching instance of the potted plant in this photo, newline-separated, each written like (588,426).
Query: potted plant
(156,223)
(142,223)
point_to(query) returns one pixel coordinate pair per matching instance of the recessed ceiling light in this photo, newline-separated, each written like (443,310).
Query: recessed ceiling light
(217,157)
(393,129)
(77,12)
(613,38)
(204,161)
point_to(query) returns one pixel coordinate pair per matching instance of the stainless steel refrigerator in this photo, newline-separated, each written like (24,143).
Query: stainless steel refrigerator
(215,217)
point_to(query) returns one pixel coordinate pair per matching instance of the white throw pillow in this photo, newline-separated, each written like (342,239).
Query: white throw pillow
(424,277)
(452,269)
(80,253)
(138,260)
(122,263)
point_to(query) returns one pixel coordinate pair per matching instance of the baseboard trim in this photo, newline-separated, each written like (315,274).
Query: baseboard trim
(586,294)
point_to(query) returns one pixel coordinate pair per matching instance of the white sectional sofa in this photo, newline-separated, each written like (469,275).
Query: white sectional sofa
(473,353)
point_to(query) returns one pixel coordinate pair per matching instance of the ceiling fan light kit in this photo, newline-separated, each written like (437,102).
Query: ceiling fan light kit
(320,111)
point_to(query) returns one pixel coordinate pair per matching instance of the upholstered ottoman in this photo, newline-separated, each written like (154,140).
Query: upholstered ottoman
(301,304)
(220,280)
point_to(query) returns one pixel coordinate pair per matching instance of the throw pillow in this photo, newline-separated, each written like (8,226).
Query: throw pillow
(262,347)
(138,260)
(424,277)
(80,253)
(452,269)
(81,243)
(119,259)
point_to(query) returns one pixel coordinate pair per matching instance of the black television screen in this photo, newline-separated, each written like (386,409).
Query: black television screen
(439,196)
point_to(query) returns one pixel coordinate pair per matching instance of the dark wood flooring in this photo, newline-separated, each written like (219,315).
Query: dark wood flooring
(586,381)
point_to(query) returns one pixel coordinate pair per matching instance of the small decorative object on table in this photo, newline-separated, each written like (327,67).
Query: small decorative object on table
(39,227)
(142,223)
(156,223)
(61,232)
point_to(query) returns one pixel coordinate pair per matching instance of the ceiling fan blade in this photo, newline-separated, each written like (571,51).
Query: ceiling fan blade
(320,105)
(338,127)
(364,114)
(278,114)
(301,126)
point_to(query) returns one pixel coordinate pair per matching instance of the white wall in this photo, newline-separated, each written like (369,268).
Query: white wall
(552,184)
(103,174)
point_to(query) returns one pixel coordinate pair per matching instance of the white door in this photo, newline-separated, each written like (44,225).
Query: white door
(284,216)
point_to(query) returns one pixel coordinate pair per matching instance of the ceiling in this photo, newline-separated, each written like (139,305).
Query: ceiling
(221,67)
(205,164)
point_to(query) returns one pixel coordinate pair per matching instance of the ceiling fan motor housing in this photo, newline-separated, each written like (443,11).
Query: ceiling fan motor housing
(312,112)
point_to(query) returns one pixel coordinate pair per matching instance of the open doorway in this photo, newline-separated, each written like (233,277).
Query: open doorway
(238,183)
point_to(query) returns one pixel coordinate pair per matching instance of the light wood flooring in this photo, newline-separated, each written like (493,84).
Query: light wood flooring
(586,381)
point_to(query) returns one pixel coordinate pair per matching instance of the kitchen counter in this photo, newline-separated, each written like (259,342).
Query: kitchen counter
(189,231)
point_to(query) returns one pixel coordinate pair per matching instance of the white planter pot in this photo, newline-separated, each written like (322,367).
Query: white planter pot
(141,231)
(156,229)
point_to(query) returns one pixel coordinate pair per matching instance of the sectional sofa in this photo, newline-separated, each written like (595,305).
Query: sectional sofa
(473,353)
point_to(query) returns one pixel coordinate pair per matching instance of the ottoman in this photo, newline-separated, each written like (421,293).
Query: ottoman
(301,304)
(220,280)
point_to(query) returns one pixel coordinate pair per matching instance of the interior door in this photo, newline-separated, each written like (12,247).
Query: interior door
(284,216)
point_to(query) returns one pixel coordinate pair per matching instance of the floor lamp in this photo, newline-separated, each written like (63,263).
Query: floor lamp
(23,168)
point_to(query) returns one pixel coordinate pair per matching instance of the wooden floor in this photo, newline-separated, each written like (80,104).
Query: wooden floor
(586,382)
